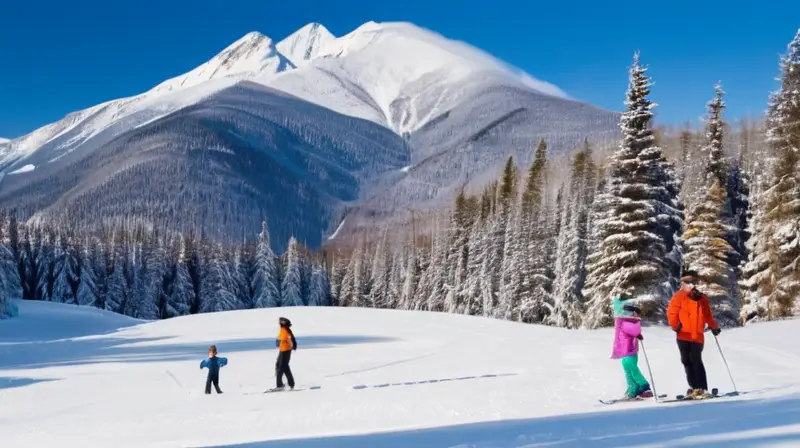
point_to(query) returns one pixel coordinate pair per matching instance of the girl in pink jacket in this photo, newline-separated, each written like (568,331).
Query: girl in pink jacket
(627,333)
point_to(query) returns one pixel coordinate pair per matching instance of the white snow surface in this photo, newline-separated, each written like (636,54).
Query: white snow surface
(79,377)
(24,169)
(4,140)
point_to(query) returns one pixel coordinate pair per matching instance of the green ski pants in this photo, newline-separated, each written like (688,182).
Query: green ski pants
(637,383)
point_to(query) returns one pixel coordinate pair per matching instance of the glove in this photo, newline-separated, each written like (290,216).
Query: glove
(716,331)
(678,330)
(640,337)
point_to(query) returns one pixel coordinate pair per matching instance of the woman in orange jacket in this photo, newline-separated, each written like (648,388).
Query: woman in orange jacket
(688,314)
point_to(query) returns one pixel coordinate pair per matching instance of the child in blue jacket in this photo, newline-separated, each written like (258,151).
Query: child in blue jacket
(214,364)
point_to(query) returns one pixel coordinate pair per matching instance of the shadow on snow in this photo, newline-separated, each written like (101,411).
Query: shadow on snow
(707,424)
(37,355)
(10,382)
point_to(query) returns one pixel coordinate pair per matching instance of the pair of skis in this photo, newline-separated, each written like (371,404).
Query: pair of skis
(714,394)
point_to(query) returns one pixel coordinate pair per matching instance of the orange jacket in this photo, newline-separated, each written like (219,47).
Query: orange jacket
(692,315)
(284,340)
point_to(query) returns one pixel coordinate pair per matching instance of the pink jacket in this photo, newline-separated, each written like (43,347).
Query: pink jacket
(626,329)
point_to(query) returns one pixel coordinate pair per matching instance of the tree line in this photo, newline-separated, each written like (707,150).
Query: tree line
(147,274)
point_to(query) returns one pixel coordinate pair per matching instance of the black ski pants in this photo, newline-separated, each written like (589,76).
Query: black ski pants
(282,368)
(692,360)
(213,378)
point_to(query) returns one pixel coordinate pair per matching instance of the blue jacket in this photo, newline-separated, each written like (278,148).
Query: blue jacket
(213,364)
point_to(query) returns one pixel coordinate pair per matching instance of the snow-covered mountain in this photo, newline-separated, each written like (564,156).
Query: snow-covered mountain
(303,46)
(456,112)
(4,140)
(376,378)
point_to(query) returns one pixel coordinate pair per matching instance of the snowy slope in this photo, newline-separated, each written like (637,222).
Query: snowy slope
(398,74)
(219,166)
(387,379)
(252,55)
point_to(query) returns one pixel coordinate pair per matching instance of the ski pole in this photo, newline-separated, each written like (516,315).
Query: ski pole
(726,364)
(649,370)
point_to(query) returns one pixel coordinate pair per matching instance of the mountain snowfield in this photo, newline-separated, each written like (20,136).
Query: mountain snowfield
(80,377)
(456,111)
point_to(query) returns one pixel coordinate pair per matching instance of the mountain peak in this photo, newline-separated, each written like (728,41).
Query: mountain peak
(302,46)
(251,55)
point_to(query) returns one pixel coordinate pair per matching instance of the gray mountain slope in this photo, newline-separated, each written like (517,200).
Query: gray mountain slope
(221,165)
(467,146)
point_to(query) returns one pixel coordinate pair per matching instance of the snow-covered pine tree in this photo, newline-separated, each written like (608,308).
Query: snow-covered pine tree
(706,251)
(514,257)
(10,285)
(347,293)
(265,279)
(572,243)
(381,267)
(217,290)
(636,218)
(319,289)
(292,286)
(458,256)
(411,280)
(65,270)
(87,288)
(396,279)
(434,284)
(116,283)
(536,295)
(473,285)
(29,272)
(710,223)
(772,273)
(181,294)
(45,262)
(337,276)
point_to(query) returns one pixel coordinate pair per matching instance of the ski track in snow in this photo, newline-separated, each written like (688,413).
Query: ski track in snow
(80,377)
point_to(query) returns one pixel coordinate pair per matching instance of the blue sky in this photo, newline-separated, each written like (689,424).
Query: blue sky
(57,57)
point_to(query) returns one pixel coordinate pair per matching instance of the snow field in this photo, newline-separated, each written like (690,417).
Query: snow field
(74,376)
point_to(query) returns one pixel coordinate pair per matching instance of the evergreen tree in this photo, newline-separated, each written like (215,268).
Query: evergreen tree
(181,292)
(265,279)
(87,288)
(772,281)
(707,251)
(571,252)
(636,218)
(10,285)
(710,227)
(217,289)
(292,281)
(65,271)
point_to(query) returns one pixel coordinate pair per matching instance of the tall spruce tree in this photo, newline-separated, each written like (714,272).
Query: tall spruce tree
(772,282)
(710,223)
(636,218)
(571,252)
(265,279)
(292,287)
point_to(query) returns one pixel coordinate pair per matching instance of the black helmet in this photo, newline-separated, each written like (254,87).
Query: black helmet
(284,322)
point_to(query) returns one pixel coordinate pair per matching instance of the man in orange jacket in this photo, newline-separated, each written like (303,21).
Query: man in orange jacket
(688,314)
